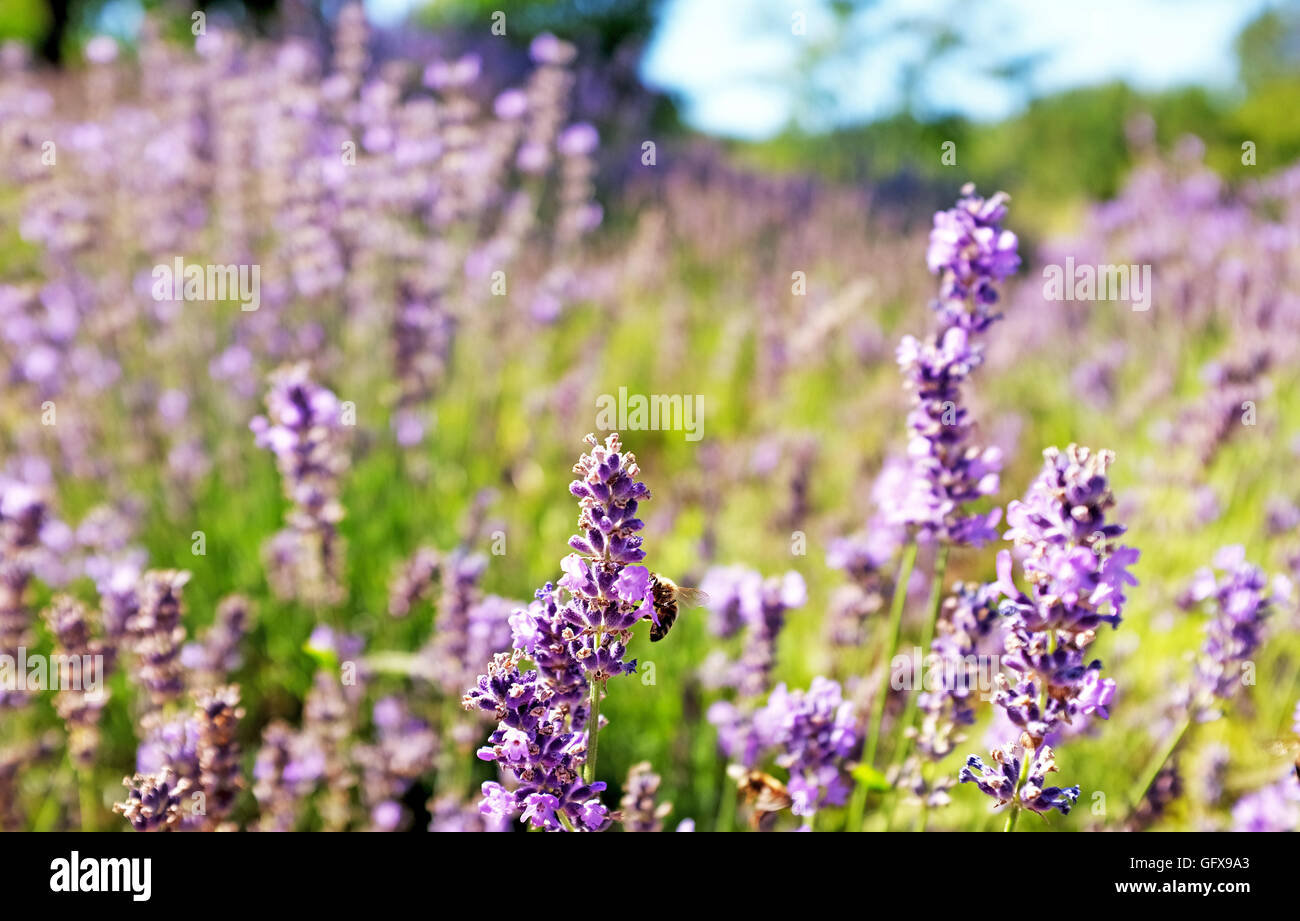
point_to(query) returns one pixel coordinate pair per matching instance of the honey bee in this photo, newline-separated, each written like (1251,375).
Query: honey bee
(1287,748)
(668,596)
(764,793)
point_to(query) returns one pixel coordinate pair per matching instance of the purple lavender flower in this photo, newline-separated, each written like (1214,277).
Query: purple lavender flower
(488,629)
(737,739)
(414,581)
(542,632)
(169,743)
(547,49)
(534,742)
(849,612)
(451,814)
(460,573)
(80,699)
(641,810)
(218,715)
(1001,779)
(815,735)
(1076,572)
(578,140)
(543,730)
(211,661)
(1282,516)
(154,801)
(865,557)
(329,719)
(303,428)
(730,589)
(1274,808)
(971,252)
(608,493)
(947,470)
(1165,790)
(764,607)
(117,579)
(157,635)
(968,637)
(423,332)
(608,594)
(1240,601)
(405,749)
(288,766)
(23,517)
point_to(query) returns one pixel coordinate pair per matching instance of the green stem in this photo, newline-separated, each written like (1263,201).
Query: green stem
(48,815)
(926,776)
(895,629)
(858,804)
(1027,753)
(88,800)
(1014,815)
(726,818)
(904,745)
(931,619)
(593,731)
(1158,762)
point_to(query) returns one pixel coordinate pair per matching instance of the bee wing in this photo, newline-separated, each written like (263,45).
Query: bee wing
(773,798)
(1282,748)
(690,597)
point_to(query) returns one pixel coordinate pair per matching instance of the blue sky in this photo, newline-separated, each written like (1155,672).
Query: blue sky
(734,63)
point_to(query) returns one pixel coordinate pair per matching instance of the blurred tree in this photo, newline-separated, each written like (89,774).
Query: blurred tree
(1269,47)
(59,20)
(25,20)
(55,26)
(603,25)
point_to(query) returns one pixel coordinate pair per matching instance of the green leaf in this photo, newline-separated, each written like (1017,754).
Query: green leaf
(870,778)
(324,657)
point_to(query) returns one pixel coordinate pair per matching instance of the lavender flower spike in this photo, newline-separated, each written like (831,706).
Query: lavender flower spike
(545,736)
(968,635)
(608,594)
(1241,601)
(24,516)
(973,254)
(158,634)
(537,744)
(1000,779)
(641,812)
(287,769)
(212,660)
(219,774)
(303,428)
(80,707)
(815,733)
(1076,572)
(153,801)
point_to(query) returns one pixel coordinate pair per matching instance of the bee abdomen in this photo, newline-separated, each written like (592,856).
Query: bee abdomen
(667,617)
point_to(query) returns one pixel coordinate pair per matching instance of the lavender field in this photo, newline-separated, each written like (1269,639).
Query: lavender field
(406,432)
